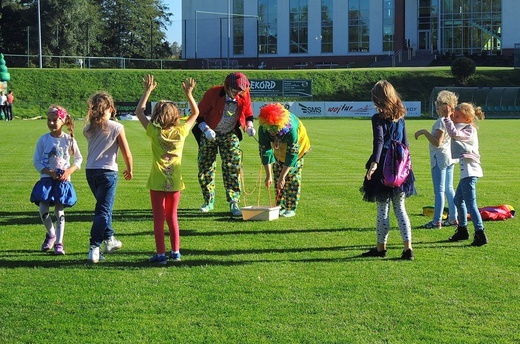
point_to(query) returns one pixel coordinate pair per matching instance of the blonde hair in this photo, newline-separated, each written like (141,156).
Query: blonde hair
(68,121)
(447,97)
(387,101)
(472,112)
(98,103)
(166,114)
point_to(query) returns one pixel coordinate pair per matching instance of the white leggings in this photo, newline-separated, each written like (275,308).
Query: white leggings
(383,219)
(59,214)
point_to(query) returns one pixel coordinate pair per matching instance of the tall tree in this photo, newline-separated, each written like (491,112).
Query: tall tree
(134,28)
(126,28)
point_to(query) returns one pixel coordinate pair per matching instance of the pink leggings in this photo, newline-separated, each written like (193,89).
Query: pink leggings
(164,207)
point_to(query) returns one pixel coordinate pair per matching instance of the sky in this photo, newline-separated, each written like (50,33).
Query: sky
(174,33)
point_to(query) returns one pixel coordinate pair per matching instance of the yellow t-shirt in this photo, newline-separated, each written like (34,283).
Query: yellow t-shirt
(167,146)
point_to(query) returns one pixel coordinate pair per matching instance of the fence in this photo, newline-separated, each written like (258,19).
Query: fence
(90,62)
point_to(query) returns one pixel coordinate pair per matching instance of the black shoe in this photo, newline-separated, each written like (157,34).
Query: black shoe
(479,239)
(461,233)
(407,254)
(373,252)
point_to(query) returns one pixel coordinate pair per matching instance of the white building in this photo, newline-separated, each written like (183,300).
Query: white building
(292,33)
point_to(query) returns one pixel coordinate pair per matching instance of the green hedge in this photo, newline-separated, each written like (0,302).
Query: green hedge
(36,89)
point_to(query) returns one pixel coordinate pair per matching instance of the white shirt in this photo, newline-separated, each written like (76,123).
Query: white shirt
(103,147)
(441,156)
(55,152)
(465,145)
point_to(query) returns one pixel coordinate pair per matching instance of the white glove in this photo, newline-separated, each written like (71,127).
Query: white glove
(250,129)
(208,132)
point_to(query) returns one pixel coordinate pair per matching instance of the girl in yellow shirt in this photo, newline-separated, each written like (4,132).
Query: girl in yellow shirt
(167,135)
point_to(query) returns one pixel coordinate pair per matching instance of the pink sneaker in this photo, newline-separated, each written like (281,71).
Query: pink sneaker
(48,243)
(58,250)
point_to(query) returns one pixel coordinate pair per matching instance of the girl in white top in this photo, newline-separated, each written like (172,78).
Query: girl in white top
(442,164)
(463,131)
(105,137)
(52,160)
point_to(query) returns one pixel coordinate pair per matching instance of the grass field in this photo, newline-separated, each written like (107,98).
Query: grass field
(296,280)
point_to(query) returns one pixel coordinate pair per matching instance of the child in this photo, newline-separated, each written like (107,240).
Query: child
(167,135)
(283,142)
(387,124)
(104,138)
(52,160)
(464,146)
(442,165)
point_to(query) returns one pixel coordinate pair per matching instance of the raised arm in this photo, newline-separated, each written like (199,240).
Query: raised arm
(149,86)
(188,86)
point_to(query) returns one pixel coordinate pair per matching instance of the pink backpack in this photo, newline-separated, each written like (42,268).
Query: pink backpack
(397,164)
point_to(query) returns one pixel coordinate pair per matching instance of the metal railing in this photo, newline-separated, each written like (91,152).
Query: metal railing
(91,62)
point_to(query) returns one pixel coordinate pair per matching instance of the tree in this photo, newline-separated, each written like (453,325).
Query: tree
(176,49)
(133,28)
(462,68)
(126,28)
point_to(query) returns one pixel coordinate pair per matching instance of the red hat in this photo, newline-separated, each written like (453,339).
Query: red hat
(237,81)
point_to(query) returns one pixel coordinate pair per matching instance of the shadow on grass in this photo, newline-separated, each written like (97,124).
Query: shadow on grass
(18,258)
(122,215)
(195,233)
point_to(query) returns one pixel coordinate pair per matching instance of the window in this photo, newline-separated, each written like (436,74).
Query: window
(267,27)
(470,27)
(358,32)
(326,27)
(298,26)
(238,27)
(388,25)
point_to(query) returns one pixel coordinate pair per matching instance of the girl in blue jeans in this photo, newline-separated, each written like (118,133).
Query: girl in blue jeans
(464,146)
(442,164)
(105,138)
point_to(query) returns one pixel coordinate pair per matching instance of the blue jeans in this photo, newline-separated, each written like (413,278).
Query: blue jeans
(103,186)
(466,201)
(443,185)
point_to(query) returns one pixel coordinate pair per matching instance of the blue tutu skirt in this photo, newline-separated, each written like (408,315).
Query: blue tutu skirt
(53,191)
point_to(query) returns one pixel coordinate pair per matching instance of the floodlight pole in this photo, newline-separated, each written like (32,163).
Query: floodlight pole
(39,34)
(228,30)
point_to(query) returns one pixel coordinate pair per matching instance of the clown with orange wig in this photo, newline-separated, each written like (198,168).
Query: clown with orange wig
(283,143)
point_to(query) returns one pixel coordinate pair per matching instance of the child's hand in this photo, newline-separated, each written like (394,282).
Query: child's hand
(188,85)
(419,133)
(149,83)
(65,175)
(128,174)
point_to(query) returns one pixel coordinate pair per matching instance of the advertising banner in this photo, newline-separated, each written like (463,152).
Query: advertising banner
(337,109)
(281,88)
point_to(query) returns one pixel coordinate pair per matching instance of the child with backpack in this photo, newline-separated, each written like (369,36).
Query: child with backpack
(387,125)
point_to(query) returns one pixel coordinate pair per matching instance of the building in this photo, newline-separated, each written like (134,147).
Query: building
(330,33)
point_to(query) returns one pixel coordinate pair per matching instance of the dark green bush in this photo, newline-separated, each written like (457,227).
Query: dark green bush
(462,68)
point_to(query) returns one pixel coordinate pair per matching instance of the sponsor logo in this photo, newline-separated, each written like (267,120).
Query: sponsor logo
(263,85)
(310,109)
(338,109)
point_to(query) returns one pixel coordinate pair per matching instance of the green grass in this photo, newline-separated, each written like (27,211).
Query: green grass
(297,280)
(35,89)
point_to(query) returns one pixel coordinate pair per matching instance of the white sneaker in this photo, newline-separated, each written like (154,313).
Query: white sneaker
(234,209)
(289,213)
(111,245)
(93,255)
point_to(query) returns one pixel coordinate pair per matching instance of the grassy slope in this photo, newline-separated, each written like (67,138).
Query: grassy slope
(36,89)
